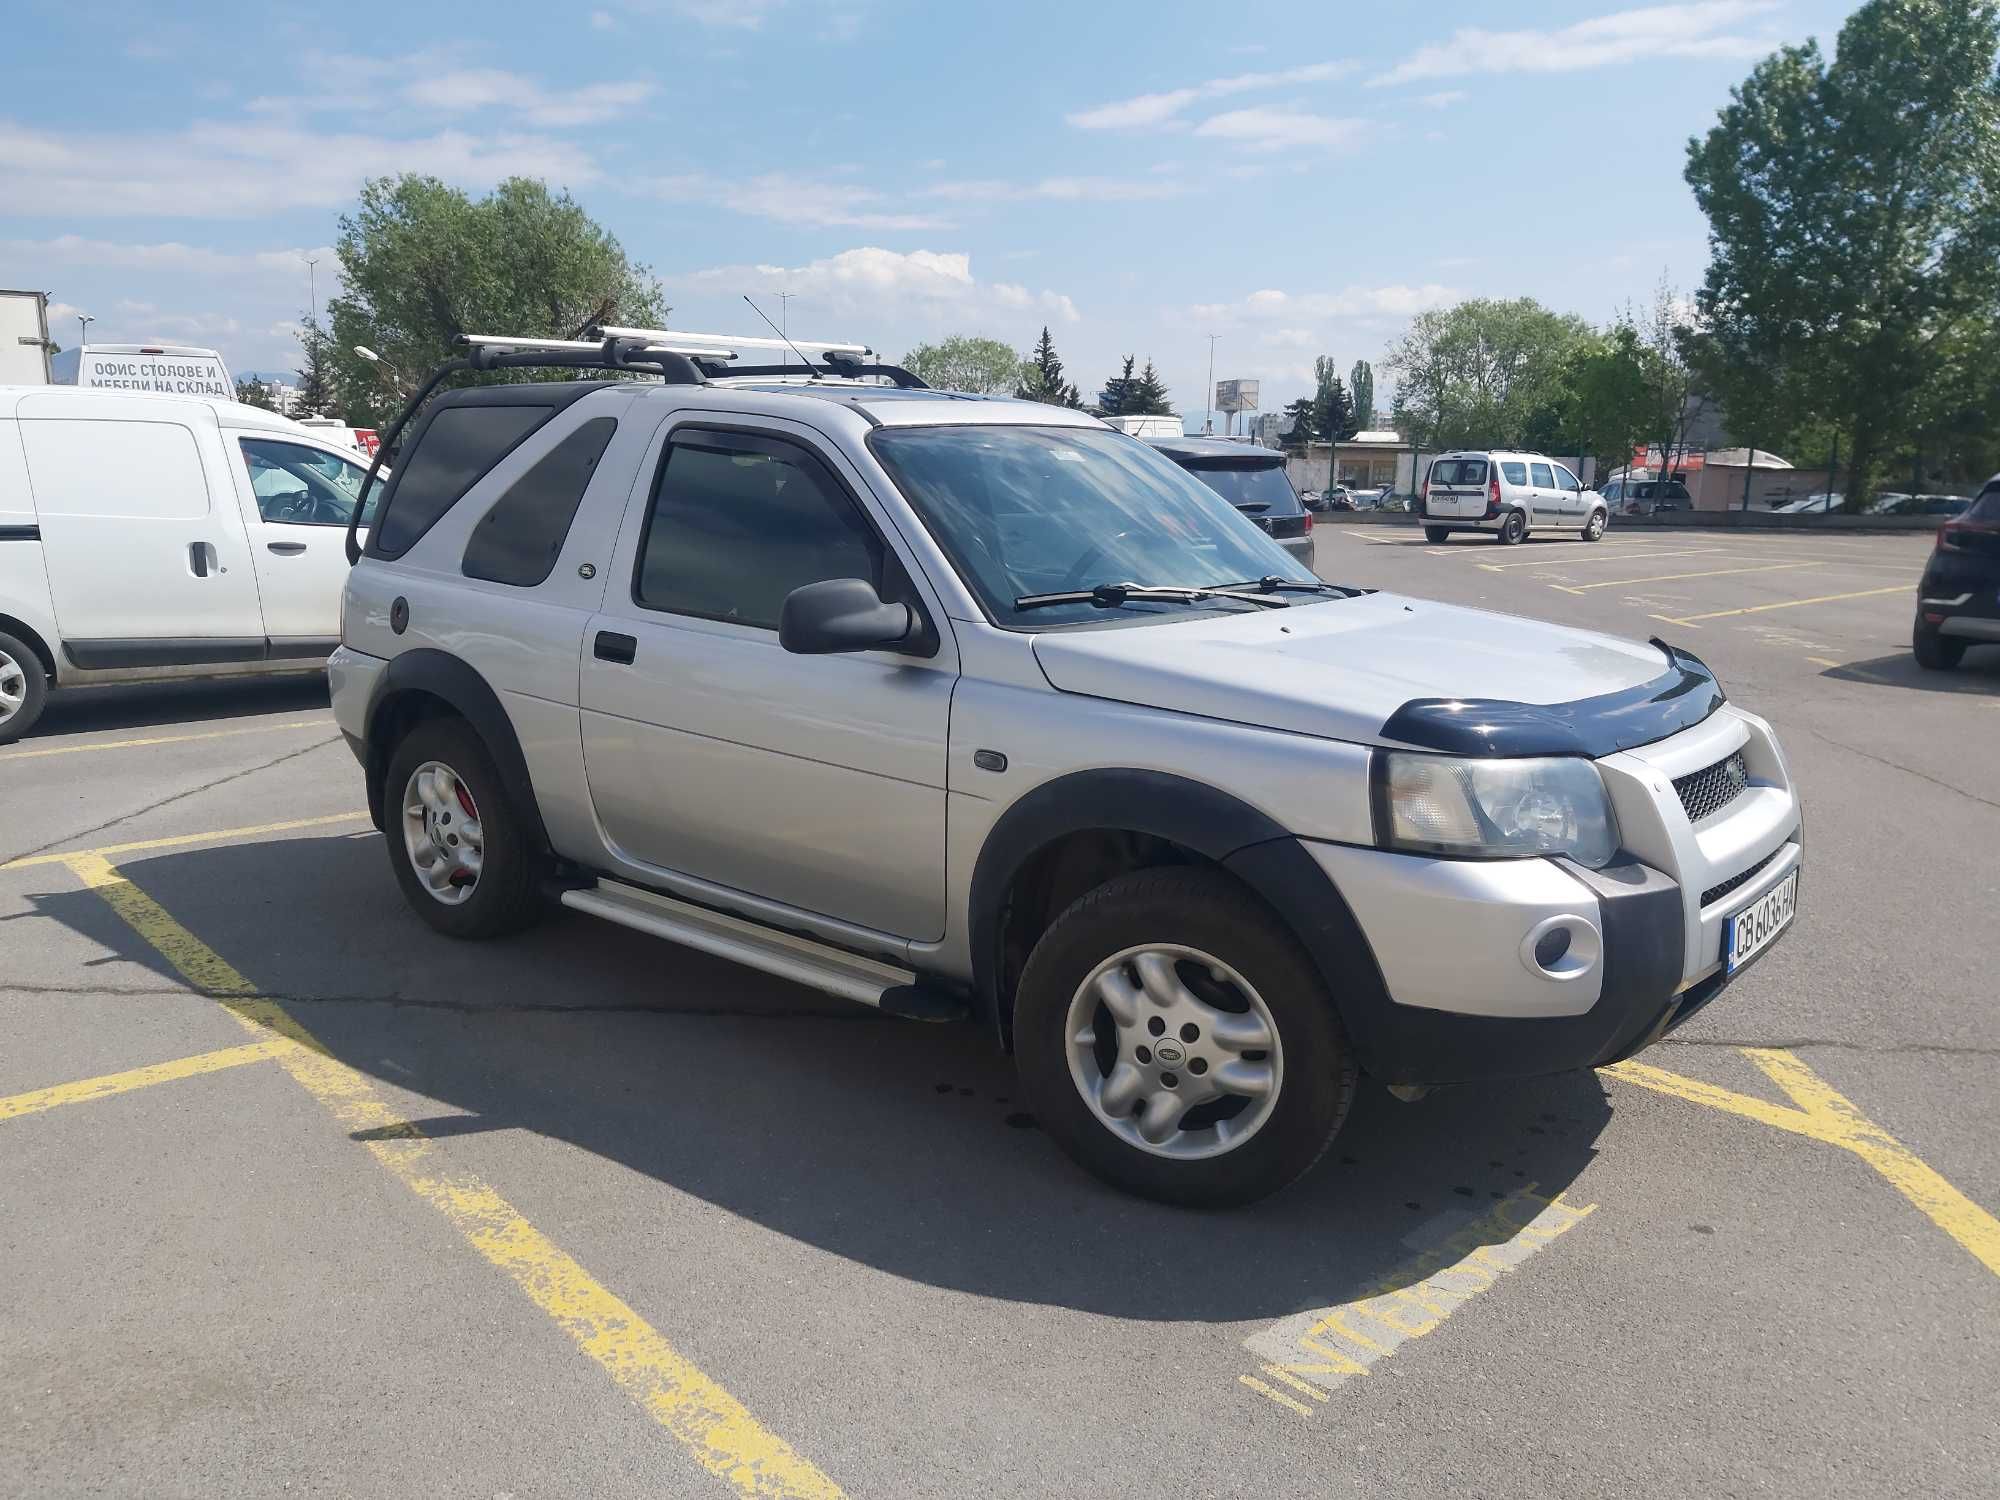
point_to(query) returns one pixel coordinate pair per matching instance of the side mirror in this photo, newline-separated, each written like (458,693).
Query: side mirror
(841,614)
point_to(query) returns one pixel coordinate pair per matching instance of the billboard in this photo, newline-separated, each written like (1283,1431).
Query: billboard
(1232,396)
(24,338)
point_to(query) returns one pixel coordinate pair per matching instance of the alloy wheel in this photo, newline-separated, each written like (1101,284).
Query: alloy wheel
(442,834)
(13,687)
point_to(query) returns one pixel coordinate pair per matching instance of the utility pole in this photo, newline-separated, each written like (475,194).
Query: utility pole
(784,322)
(1208,403)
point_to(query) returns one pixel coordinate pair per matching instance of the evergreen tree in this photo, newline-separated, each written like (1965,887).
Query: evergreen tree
(1115,399)
(1148,396)
(315,370)
(255,393)
(1361,385)
(1305,423)
(1042,376)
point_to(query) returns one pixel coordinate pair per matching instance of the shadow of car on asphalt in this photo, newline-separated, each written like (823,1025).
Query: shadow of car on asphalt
(896,1145)
(92,710)
(1977,676)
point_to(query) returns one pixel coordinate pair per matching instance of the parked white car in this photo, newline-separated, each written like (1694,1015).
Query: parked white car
(146,537)
(1507,495)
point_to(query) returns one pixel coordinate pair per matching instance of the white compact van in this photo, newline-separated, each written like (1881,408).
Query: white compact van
(147,537)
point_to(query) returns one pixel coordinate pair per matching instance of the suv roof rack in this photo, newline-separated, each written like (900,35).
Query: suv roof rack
(823,358)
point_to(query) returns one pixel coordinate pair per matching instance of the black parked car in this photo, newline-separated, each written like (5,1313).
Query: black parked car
(1253,480)
(1958,602)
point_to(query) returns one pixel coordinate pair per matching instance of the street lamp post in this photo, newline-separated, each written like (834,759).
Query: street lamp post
(83,322)
(784,323)
(1208,406)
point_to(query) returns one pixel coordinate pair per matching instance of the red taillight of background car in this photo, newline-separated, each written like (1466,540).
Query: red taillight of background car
(1492,495)
(1309,525)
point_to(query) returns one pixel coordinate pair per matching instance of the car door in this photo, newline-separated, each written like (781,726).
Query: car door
(296,498)
(1569,498)
(817,782)
(146,557)
(1544,506)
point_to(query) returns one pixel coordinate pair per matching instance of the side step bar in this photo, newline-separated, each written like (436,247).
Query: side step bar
(887,987)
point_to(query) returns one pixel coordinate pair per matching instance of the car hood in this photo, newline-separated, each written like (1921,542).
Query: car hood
(1342,667)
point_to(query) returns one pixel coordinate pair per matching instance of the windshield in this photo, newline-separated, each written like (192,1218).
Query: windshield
(1262,491)
(1036,510)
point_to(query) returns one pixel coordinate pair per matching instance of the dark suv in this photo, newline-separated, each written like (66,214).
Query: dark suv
(1253,480)
(1958,602)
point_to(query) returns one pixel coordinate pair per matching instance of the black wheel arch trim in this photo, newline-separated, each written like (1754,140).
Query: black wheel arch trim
(440,675)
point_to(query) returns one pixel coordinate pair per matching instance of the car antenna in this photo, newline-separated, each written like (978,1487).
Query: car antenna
(810,373)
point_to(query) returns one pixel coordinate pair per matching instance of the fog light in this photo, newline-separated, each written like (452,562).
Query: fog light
(1553,945)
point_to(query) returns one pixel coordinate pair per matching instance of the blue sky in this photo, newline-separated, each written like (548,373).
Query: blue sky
(1298,178)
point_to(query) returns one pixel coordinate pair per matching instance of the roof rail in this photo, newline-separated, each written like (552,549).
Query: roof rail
(722,341)
(823,358)
(505,344)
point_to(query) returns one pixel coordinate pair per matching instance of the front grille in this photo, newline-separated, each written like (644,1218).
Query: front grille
(1716,892)
(1706,792)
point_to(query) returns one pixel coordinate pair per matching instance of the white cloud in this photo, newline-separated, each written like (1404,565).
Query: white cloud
(465,89)
(1165,108)
(1697,29)
(892,286)
(791,200)
(170,256)
(1289,338)
(603,20)
(748,14)
(1444,99)
(1280,129)
(216,170)
(1270,305)
(1061,189)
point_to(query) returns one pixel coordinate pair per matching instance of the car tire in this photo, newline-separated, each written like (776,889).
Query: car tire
(1436,533)
(1513,531)
(503,895)
(1190,943)
(1593,529)
(24,688)
(1934,652)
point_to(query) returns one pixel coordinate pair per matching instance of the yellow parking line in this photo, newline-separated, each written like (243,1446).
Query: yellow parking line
(1619,583)
(103,1087)
(163,739)
(1567,559)
(1758,609)
(217,836)
(1278,1396)
(1824,1115)
(716,1428)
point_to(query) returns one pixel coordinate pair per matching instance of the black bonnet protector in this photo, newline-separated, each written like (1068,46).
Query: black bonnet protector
(1680,698)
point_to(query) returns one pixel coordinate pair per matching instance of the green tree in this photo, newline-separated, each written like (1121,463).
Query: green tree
(254,393)
(1148,394)
(1361,386)
(423,263)
(1483,372)
(1854,227)
(1042,376)
(315,372)
(1117,393)
(965,362)
(1304,413)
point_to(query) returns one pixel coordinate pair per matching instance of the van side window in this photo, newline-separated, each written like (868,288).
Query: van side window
(518,540)
(1544,480)
(138,471)
(1514,473)
(739,521)
(300,486)
(1566,480)
(455,450)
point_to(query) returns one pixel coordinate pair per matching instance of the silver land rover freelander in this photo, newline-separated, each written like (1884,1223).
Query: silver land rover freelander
(957,706)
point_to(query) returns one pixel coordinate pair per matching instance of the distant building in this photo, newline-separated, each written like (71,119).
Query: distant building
(1368,460)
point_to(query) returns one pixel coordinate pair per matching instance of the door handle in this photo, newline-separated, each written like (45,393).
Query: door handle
(611,646)
(198,559)
(286,549)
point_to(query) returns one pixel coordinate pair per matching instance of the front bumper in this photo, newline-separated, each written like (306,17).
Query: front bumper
(1462,995)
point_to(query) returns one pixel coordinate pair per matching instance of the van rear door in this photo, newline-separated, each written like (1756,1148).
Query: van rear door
(1457,488)
(146,557)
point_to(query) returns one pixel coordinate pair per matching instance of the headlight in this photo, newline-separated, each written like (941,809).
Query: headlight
(1494,809)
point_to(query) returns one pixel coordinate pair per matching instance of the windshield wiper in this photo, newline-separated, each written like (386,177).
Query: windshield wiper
(1112,595)
(1271,583)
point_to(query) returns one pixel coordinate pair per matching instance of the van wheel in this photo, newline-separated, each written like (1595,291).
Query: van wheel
(1513,529)
(24,688)
(1177,1042)
(1593,529)
(1934,652)
(1436,533)
(455,840)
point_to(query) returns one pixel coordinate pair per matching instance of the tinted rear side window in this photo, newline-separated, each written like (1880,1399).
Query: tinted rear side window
(460,444)
(1986,509)
(1514,473)
(1459,471)
(519,539)
(1544,480)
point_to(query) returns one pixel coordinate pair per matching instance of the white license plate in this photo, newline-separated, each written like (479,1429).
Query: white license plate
(1750,931)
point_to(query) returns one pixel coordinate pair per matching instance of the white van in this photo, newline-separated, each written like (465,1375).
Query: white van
(145,537)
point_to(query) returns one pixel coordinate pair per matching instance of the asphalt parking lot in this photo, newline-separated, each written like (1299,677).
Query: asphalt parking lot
(296,1196)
